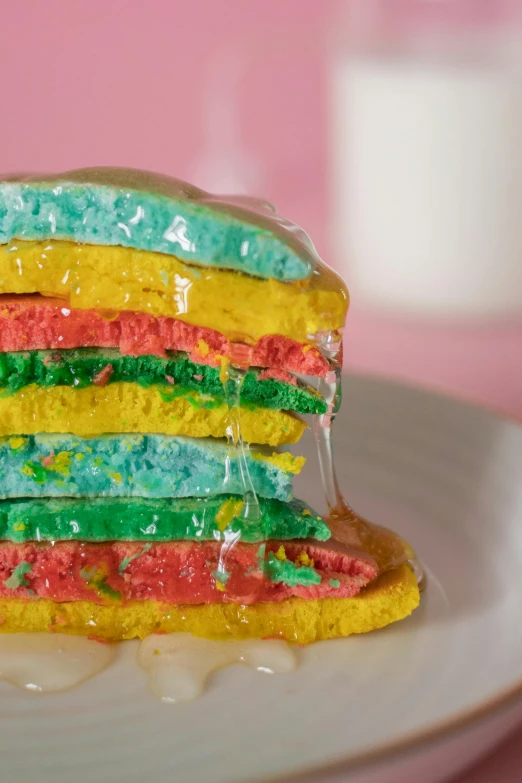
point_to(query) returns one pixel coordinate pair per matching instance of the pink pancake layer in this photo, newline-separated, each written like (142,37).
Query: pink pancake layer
(180,572)
(36,322)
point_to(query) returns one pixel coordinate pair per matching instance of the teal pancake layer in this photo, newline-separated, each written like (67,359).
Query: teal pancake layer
(111,206)
(153,466)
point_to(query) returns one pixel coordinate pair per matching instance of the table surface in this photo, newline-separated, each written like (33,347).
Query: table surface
(481,363)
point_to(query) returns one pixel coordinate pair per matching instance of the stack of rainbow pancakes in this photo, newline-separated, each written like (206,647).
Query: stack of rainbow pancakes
(153,345)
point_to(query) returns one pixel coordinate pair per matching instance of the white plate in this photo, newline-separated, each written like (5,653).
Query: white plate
(446,475)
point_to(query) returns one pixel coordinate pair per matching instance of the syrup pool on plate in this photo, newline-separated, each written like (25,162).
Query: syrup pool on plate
(48,662)
(179,664)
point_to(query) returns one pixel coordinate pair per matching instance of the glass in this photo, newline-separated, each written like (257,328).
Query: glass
(426,101)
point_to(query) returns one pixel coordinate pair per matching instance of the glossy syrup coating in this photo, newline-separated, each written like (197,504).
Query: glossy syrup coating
(140,209)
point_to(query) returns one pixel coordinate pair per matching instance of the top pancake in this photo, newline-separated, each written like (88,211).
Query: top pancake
(146,211)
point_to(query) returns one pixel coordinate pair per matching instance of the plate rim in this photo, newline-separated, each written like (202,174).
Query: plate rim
(414,742)
(462,721)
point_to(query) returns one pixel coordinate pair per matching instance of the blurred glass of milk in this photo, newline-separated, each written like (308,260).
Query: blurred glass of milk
(426,99)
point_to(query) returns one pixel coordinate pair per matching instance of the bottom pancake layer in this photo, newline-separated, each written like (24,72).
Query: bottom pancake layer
(392,597)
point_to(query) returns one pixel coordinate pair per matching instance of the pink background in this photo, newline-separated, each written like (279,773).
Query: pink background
(131,84)
(118,82)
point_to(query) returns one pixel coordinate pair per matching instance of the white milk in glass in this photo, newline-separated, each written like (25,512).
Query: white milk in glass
(427,182)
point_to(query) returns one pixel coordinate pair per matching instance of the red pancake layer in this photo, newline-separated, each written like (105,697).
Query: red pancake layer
(35,323)
(180,572)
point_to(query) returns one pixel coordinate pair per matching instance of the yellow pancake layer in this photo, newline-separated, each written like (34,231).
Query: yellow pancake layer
(128,407)
(392,597)
(242,307)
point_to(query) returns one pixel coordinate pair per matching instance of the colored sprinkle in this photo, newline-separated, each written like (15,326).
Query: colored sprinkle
(17,578)
(287,462)
(202,348)
(102,378)
(221,578)
(280,554)
(96,577)
(128,560)
(335,583)
(303,559)
(35,471)
(106,590)
(230,509)
(62,463)
(16,443)
(170,395)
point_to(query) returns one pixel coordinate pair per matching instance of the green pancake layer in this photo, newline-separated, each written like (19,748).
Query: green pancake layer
(85,366)
(142,519)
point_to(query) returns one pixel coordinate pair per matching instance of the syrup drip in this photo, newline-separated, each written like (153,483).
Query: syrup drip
(251,512)
(179,664)
(47,663)
(232,384)
(387,548)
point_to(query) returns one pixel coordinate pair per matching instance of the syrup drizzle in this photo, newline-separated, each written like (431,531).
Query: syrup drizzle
(232,385)
(233,378)
(179,664)
(388,549)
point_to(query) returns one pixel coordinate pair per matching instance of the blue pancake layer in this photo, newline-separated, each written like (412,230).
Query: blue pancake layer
(149,466)
(110,206)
